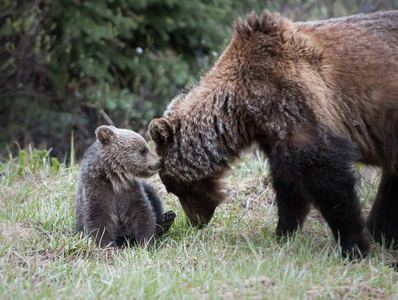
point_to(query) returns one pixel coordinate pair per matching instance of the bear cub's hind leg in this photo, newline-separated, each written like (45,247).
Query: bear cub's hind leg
(167,221)
(163,220)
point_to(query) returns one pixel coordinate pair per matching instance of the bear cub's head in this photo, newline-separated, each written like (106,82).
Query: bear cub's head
(126,152)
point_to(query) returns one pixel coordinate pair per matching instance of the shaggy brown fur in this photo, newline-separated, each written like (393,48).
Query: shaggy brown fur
(112,204)
(317,97)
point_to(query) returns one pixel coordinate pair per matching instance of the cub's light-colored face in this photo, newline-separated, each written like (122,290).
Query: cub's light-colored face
(127,151)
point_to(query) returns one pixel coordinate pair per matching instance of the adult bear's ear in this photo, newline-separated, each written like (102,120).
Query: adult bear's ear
(161,131)
(105,134)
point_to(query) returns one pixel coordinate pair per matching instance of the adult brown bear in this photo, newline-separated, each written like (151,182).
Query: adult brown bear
(316,97)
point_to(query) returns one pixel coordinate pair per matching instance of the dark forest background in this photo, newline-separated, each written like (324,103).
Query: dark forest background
(68,66)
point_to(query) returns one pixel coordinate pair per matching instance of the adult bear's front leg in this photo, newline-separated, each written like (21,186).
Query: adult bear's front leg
(292,207)
(383,221)
(320,171)
(335,196)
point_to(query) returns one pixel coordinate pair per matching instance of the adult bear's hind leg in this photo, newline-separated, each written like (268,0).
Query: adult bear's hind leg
(382,221)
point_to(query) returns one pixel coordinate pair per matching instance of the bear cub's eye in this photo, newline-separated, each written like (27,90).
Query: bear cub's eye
(143,150)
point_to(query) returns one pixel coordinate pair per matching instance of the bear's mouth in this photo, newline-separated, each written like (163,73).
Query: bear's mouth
(156,167)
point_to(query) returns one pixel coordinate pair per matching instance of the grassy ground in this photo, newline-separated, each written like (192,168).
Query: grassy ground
(235,257)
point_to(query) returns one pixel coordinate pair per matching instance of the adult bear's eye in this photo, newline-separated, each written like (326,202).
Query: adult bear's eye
(143,150)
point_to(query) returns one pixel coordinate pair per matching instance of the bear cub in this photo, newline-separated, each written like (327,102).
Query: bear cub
(112,204)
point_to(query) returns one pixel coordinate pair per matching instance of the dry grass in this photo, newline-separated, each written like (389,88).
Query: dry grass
(235,257)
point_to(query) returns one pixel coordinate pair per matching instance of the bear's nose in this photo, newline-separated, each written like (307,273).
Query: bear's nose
(156,166)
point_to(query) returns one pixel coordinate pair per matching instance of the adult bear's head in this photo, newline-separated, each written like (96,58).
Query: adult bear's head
(187,171)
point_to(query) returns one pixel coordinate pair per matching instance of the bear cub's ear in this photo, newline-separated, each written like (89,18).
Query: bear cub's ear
(161,131)
(105,134)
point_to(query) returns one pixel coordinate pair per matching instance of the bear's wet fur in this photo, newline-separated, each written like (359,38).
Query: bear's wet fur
(112,203)
(317,97)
